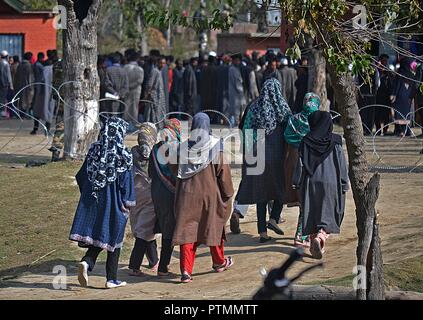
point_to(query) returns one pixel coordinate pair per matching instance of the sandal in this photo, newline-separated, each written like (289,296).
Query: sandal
(302,243)
(155,267)
(186,278)
(317,247)
(229,262)
(136,273)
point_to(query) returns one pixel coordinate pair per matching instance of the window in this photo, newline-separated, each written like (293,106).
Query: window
(13,44)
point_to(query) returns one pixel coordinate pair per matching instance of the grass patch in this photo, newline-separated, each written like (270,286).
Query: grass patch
(405,275)
(37,211)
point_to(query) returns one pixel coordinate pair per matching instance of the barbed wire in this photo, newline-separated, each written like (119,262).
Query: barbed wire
(48,137)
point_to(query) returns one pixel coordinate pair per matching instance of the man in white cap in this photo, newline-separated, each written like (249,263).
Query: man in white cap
(6,83)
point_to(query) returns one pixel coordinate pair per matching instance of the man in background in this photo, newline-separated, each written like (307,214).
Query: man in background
(6,82)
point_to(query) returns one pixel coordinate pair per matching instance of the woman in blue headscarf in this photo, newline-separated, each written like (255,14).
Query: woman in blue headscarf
(106,184)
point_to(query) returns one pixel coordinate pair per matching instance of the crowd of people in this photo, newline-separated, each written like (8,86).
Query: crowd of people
(392,95)
(147,88)
(225,83)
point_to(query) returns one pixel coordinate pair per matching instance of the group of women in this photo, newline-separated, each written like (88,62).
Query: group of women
(183,189)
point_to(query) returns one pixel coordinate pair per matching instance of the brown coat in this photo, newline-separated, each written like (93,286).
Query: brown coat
(202,205)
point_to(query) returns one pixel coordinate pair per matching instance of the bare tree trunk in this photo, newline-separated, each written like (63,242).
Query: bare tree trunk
(80,69)
(365,189)
(317,77)
(142,31)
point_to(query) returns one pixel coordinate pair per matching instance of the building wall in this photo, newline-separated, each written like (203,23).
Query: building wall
(261,44)
(231,43)
(245,43)
(39,34)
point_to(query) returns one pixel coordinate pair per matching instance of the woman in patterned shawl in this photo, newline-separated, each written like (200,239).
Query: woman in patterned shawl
(106,183)
(263,180)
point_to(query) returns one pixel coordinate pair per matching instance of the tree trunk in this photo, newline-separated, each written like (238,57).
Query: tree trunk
(365,189)
(142,31)
(317,77)
(80,69)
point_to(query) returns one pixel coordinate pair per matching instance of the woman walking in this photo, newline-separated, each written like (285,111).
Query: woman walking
(163,182)
(202,199)
(268,114)
(106,184)
(143,217)
(322,179)
(295,131)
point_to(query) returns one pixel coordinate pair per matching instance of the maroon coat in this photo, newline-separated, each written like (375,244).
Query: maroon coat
(202,205)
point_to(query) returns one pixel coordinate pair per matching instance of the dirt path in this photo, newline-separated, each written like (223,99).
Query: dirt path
(401,218)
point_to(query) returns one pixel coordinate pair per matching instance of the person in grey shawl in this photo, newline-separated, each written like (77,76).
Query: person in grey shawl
(136,78)
(236,94)
(155,104)
(321,176)
(39,94)
(23,78)
(119,79)
(289,76)
(190,87)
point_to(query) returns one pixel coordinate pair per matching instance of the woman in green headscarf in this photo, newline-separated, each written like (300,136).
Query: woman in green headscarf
(298,126)
(295,131)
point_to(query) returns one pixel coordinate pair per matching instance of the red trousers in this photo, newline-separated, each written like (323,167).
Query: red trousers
(187,256)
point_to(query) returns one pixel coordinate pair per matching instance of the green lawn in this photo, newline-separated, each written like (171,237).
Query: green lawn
(36,212)
(405,275)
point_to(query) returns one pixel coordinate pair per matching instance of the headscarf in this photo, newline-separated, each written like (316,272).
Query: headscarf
(170,136)
(147,137)
(320,141)
(298,125)
(171,130)
(200,149)
(108,156)
(269,110)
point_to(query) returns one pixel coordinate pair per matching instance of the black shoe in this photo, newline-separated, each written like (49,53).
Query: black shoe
(234,223)
(263,239)
(278,230)
(55,156)
(33,132)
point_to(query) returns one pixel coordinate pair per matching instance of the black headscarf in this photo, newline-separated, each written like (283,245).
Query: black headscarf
(320,141)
